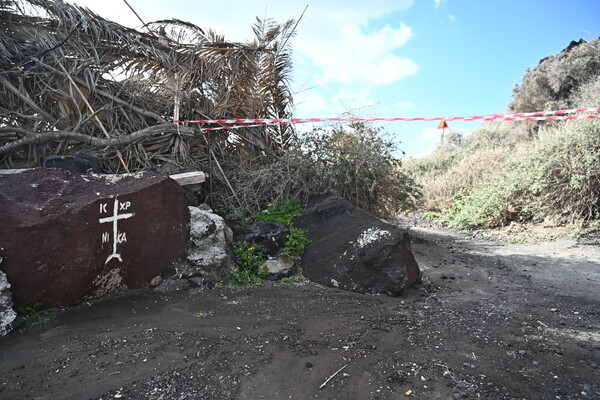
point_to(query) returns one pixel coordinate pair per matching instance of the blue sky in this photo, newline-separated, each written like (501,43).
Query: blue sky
(397,58)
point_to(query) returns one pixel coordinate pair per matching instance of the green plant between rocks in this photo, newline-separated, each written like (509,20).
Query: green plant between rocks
(285,211)
(250,267)
(296,243)
(281,211)
(36,315)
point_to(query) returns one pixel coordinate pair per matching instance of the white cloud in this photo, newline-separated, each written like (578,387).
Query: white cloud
(355,100)
(404,105)
(425,143)
(438,3)
(430,134)
(310,103)
(348,54)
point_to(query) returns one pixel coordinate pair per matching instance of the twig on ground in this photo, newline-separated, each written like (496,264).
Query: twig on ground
(332,376)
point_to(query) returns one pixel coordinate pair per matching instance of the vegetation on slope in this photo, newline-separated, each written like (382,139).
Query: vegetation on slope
(520,172)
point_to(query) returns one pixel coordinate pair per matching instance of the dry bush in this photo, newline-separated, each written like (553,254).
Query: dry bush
(441,190)
(557,178)
(355,161)
(528,171)
(360,164)
(452,172)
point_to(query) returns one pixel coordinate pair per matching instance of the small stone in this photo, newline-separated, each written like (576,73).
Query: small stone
(309,365)
(157,280)
(462,385)
(587,388)
(461,395)
(279,267)
(553,309)
(536,363)
(172,285)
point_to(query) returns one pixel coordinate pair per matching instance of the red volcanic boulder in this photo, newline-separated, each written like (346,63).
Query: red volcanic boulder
(353,250)
(66,237)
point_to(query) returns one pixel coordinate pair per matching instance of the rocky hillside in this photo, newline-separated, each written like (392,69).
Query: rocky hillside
(529,171)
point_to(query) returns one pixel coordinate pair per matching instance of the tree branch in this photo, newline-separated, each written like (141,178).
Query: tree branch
(43,137)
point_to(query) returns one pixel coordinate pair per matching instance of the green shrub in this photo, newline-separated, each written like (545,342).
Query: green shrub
(448,174)
(281,211)
(250,265)
(513,171)
(360,164)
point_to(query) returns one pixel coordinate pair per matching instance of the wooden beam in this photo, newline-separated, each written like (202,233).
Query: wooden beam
(189,178)
(186,178)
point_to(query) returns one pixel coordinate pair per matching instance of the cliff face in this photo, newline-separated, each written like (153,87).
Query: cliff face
(553,83)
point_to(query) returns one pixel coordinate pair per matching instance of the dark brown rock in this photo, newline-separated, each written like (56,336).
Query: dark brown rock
(354,250)
(269,236)
(66,237)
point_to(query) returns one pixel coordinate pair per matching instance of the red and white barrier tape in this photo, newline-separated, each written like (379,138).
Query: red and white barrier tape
(530,116)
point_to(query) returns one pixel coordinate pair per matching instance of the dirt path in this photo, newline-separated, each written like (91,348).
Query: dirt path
(490,321)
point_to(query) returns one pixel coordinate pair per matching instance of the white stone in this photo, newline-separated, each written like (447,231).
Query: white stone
(7,314)
(280,267)
(208,253)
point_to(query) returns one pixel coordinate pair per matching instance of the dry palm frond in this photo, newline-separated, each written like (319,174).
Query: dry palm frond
(72,81)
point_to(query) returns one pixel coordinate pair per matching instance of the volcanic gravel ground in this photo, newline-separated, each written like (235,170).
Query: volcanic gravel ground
(490,320)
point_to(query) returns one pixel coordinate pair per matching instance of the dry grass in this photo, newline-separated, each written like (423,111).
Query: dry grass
(440,190)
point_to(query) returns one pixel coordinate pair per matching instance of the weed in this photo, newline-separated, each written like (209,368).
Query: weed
(36,315)
(575,233)
(296,243)
(202,314)
(250,266)
(288,279)
(431,215)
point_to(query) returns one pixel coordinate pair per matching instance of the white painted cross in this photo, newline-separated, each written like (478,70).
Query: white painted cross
(118,237)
